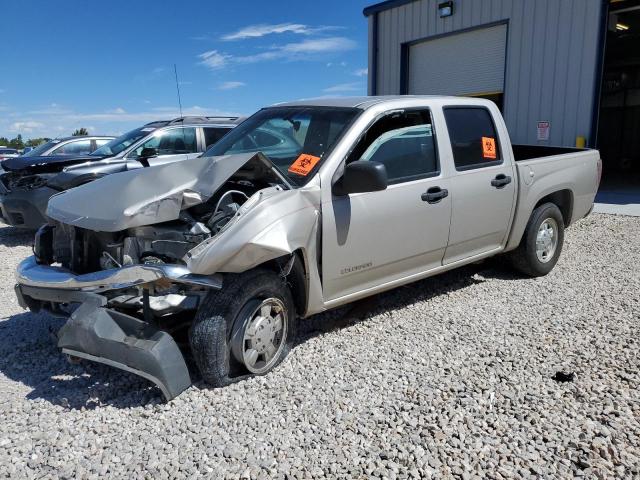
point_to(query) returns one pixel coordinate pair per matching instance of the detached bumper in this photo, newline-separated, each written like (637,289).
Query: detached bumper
(118,340)
(106,336)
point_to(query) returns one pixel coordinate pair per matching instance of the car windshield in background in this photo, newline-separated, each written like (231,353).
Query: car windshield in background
(295,139)
(40,149)
(119,144)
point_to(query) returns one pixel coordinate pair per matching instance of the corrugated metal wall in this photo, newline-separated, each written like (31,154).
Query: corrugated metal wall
(552,52)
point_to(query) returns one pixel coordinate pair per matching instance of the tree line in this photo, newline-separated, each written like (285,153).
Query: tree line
(19,143)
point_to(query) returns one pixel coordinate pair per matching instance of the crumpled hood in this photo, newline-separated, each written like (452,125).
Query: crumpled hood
(148,195)
(46,164)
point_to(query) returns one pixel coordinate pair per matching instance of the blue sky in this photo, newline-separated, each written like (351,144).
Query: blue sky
(108,66)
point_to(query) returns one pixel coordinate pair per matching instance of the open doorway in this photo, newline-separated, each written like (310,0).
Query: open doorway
(619,122)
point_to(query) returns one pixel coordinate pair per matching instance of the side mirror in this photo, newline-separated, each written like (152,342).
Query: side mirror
(148,152)
(361,176)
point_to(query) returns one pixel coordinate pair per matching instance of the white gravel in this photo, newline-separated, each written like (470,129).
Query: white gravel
(449,377)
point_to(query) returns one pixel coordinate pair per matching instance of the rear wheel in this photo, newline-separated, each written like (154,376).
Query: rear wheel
(247,328)
(541,242)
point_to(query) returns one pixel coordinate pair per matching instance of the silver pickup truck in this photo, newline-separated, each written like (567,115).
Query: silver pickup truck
(304,207)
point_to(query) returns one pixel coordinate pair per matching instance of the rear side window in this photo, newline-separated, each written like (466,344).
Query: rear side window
(212,135)
(81,147)
(403,142)
(473,137)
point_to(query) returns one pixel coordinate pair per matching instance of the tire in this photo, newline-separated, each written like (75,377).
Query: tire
(216,335)
(526,258)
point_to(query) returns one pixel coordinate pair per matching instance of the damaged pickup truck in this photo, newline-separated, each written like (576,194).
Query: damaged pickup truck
(304,207)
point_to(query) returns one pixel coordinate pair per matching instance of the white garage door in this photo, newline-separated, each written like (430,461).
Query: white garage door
(460,64)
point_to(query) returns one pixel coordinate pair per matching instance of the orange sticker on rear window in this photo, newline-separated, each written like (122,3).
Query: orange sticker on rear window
(488,147)
(304,164)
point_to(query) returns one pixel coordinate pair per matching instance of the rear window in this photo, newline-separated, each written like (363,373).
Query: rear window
(474,140)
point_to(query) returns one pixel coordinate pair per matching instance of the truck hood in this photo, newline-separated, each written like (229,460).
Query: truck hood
(151,195)
(50,164)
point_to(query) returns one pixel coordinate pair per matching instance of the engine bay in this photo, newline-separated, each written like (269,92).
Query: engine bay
(83,251)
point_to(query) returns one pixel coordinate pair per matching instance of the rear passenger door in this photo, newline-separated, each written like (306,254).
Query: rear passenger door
(483,185)
(372,238)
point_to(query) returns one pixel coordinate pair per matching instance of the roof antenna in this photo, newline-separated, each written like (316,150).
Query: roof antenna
(175,72)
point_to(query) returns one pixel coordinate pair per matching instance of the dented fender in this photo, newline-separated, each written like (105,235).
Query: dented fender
(272,223)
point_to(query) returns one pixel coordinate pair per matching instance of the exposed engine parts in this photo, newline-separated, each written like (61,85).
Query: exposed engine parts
(82,251)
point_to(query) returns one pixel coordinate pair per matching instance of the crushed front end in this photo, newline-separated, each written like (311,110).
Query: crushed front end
(127,291)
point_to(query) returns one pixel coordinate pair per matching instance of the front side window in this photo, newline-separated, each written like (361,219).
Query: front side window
(101,142)
(123,142)
(79,147)
(213,134)
(175,141)
(295,139)
(403,142)
(474,140)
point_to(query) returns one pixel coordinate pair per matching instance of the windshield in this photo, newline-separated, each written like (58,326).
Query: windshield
(40,149)
(294,139)
(119,144)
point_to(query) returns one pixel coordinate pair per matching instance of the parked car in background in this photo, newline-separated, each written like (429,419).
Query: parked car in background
(356,196)
(8,153)
(79,145)
(29,182)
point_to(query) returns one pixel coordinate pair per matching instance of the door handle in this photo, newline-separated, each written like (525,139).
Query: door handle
(434,194)
(501,181)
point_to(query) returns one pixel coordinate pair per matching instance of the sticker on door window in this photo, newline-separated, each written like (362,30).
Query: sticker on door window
(304,164)
(489,148)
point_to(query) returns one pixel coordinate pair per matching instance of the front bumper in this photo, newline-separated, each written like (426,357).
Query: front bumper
(97,333)
(25,208)
(30,273)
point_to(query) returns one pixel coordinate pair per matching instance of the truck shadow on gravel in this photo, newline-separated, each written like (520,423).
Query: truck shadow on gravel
(29,354)
(404,296)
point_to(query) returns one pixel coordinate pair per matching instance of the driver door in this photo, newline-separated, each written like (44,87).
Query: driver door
(373,238)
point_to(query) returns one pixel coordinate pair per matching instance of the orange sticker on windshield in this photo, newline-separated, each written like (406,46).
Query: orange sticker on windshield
(304,164)
(488,147)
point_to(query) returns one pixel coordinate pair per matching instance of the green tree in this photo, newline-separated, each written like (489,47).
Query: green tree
(80,131)
(16,142)
(34,142)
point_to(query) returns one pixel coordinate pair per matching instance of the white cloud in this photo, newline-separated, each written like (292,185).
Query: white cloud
(261,30)
(25,127)
(344,87)
(306,50)
(230,85)
(361,72)
(116,121)
(214,59)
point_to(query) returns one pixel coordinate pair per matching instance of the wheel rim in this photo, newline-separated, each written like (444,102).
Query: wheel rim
(547,240)
(264,335)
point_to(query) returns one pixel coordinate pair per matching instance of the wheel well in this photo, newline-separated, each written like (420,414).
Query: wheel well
(563,199)
(296,278)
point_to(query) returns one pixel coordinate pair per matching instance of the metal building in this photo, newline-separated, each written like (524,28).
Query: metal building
(542,61)
(538,59)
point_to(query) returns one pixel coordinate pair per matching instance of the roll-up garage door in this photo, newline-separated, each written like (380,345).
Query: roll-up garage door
(468,63)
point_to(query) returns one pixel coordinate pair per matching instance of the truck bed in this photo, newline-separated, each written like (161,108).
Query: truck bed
(568,174)
(528,152)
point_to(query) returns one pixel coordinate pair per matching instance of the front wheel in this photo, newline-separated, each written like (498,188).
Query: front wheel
(247,328)
(541,242)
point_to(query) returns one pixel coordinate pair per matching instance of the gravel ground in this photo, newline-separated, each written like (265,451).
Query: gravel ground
(448,377)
